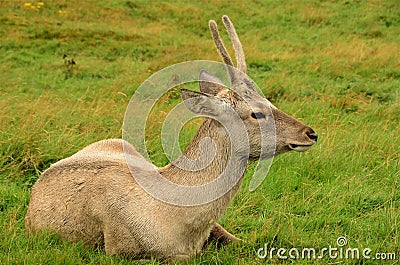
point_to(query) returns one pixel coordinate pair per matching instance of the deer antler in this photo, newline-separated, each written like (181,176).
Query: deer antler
(237,45)
(221,48)
(239,54)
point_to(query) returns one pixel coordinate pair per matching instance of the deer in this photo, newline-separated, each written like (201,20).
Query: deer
(92,196)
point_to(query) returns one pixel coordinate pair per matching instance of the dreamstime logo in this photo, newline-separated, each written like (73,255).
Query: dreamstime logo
(134,128)
(340,251)
(341,241)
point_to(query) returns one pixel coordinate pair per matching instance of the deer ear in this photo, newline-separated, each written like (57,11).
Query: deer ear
(202,104)
(210,84)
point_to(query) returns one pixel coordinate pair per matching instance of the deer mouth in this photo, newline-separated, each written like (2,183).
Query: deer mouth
(300,147)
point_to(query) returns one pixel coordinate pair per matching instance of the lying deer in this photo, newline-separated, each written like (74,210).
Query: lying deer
(92,196)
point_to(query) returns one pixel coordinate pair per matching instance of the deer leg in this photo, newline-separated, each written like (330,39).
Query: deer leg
(176,259)
(221,236)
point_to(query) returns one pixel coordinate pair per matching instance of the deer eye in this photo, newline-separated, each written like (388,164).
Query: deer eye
(257,115)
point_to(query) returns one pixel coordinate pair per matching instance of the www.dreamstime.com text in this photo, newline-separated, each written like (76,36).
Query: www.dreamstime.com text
(340,251)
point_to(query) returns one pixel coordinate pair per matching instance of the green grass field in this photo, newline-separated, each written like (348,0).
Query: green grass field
(335,65)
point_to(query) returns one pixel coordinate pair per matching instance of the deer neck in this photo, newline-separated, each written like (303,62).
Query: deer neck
(208,155)
(222,156)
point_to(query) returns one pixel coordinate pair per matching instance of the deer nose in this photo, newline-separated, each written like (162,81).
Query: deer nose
(312,135)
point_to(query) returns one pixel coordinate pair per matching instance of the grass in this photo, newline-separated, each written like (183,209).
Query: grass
(334,65)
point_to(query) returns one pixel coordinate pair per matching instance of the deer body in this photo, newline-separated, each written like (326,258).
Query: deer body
(92,195)
(101,204)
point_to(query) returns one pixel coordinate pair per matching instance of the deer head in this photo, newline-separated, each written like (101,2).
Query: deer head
(270,131)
